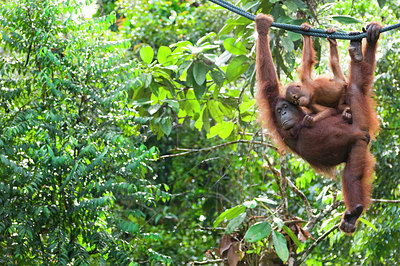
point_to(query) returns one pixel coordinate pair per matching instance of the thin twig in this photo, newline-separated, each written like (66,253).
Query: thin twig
(294,222)
(101,7)
(205,262)
(308,251)
(310,225)
(384,201)
(276,174)
(300,193)
(283,184)
(29,53)
(216,147)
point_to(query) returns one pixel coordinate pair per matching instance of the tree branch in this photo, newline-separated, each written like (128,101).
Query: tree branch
(310,225)
(205,262)
(278,180)
(384,201)
(283,184)
(308,251)
(300,193)
(101,7)
(189,151)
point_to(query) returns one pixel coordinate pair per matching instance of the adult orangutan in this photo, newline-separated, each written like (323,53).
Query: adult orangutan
(332,140)
(323,95)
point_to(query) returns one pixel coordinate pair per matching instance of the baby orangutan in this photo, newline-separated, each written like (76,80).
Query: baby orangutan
(323,96)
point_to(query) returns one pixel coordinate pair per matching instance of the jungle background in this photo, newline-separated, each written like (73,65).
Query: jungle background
(129,135)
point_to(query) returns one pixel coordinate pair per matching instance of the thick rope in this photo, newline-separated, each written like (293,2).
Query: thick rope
(298,29)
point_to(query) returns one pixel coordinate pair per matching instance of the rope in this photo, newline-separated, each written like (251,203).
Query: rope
(297,29)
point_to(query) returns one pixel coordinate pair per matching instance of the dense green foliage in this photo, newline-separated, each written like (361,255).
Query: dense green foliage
(131,137)
(70,153)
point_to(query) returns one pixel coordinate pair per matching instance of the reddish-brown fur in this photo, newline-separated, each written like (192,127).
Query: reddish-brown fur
(324,95)
(331,140)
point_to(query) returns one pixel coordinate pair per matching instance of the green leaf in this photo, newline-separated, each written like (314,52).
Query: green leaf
(250,204)
(46,211)
(381,3)
(293,36)
(278,222)
(291,5)
(189,76)
(215,112)
(235,223)
(369,224)
(235,47)
(184,66)
(173,104)
(287,44)
(200,72)
(257,232)
(199,90)
(265,199)
(300,4)
(153,109)
(201,49)
(146,78)
(163,53)
(229,214)
(202,39)
(218,77)
(166,126)
(280,246)
(223,129)
(182,44)
(147,54)
(236,67)
(227,28)
(199,123)
(292,236)
(346,19)
(226,130)
(206,120)
(128,226)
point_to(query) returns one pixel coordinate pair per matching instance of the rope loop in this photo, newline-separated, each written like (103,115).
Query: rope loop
(297,29)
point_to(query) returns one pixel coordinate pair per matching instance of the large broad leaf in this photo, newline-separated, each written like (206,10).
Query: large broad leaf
(206,120)
(215,111)
(202,39)
(280,246)
(235,47)
(237,67)
(147,54)
(184,66)
(166,126)
(199,90)
(235,223)
(381,3)
(288,44)
(346,19)
(189,76)
(250,204)
(162,54)
(265,199)
(218,77)
(257,232)
(229,214)
(200,72)
(226,129)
